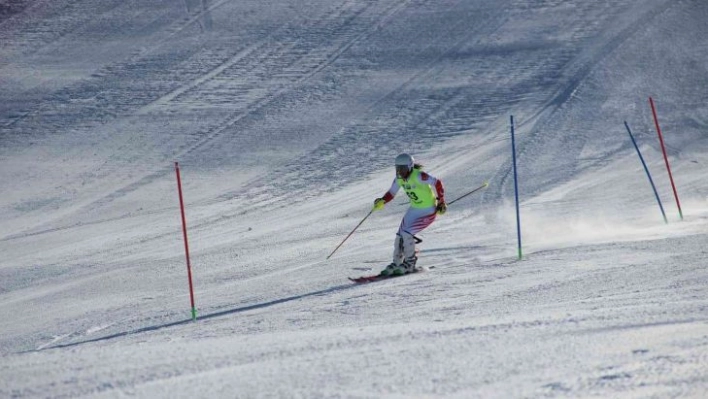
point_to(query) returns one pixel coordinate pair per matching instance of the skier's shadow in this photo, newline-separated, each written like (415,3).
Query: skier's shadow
(202,317)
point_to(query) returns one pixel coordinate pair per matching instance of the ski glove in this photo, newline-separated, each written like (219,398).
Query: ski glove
(379,204)
(441,208)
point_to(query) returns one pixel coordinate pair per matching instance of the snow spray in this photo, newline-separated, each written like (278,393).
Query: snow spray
(641,158)
(666,159)
(186,243)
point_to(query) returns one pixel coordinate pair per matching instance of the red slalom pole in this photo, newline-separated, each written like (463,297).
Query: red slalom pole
(186,244)
(666,159)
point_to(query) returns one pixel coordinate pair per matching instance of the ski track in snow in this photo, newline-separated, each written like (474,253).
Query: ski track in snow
(285,117)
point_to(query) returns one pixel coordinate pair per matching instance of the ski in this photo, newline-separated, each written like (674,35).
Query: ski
(378,277)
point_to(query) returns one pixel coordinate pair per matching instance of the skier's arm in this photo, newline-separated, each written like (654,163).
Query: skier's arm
(391,191)
(380,202)
(441,206)
(434,182)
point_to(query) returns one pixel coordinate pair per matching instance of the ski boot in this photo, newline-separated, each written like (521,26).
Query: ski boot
(389,270)
(408,266)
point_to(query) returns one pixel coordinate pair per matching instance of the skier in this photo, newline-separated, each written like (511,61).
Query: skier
(427,199)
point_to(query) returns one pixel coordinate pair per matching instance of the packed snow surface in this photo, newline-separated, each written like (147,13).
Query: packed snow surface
(285,118)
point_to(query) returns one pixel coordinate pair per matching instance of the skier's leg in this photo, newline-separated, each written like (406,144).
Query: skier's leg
(409,253)
(398,250)
(415,221)
(397,257)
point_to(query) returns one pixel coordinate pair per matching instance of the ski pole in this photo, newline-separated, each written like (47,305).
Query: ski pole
(471,192)
(349,235)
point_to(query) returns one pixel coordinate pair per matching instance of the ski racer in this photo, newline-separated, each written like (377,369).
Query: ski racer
(427,200)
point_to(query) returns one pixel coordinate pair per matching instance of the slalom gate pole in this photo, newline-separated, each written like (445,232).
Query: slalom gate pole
(666,159)
(471,192)
(349,235)
(186,244)
(516,188)
(641,158)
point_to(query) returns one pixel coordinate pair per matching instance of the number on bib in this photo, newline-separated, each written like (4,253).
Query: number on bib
(412,196)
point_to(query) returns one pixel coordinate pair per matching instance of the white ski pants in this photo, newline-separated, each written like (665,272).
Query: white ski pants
(414,221)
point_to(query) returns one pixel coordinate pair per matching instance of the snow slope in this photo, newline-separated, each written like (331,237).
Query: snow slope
(285,118)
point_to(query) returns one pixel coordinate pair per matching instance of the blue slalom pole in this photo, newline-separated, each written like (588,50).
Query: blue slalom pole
(516,187)
(646,170)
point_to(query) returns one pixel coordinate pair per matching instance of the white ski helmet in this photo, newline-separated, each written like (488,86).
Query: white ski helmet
(404,162)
